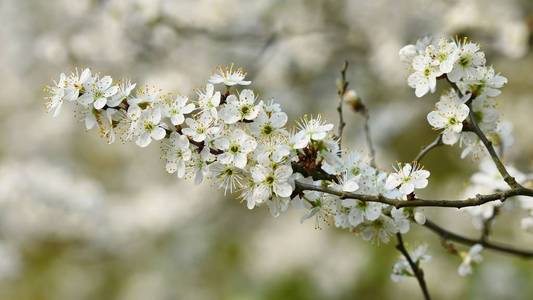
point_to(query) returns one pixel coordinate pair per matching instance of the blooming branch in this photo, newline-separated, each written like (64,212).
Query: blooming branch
(242,143)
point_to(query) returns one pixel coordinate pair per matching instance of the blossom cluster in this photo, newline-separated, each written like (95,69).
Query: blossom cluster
(463,65)
(489,180)
(227,135)
(241,144)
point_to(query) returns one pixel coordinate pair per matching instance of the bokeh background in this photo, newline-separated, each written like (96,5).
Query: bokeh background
(80,219)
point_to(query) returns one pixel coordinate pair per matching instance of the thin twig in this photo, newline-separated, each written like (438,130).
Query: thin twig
(369,142)
(417,271)
(343,85)
(448,235)
(436,143)
(487,224)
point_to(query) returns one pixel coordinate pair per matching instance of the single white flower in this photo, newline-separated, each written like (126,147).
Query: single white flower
(268,124)
(277,205)
(124,90)
(401,219)
(177,153)
(471,144)
(272,150)
(229,76)
(150,128)
(473,257)
(200,128)
(271,181)
(76,84)
(176,108)
(236,146)
(408,52)
(445,55)
(227,177)
(361,211)
(449,116)
(484,82)
(98,92)
(209,100)
(469,58)
(311,129)
(56,95)
(424,79)
(379,230)
(241,108)
(408,178)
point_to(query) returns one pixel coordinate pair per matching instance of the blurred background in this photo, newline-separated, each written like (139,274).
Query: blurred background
(80,219)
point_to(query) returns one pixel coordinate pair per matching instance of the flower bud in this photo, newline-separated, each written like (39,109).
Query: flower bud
(420,218)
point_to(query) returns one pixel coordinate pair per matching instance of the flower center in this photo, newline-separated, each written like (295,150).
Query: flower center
(465,60)
(269,179)
(245,109)
(427,72)
(267,129)
(234,148)
(148,126)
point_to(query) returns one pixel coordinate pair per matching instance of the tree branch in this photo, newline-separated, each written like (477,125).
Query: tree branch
(417,271)
(510,180)
(418,202)
(436,143)
(450,236)
(342,86)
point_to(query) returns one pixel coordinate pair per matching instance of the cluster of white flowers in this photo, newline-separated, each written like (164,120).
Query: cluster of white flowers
(240,143)
(488,180)
(402,269)
(463,65)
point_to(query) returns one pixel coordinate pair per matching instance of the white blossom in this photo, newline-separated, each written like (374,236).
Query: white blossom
(424,79)
(311,129)
(229,76)
(209,100)
(449,116)
(408,178)
(98,92)
(241,108)
(469,58)
(473,257)
(176,108)
(177,154)
(236,147)
(271,181)
(150,128)
(198,129)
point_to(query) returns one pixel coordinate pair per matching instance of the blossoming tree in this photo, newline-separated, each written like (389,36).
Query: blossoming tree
(241,143)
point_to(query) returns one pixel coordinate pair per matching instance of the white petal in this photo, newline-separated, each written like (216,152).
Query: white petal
(283,189)
(100,102)
(393,181)
(158,133)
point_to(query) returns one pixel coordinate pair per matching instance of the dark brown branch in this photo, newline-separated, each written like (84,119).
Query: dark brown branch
(450,236)
(510,180)
(342,86)
(418,202)
(487,224)
(417,271)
